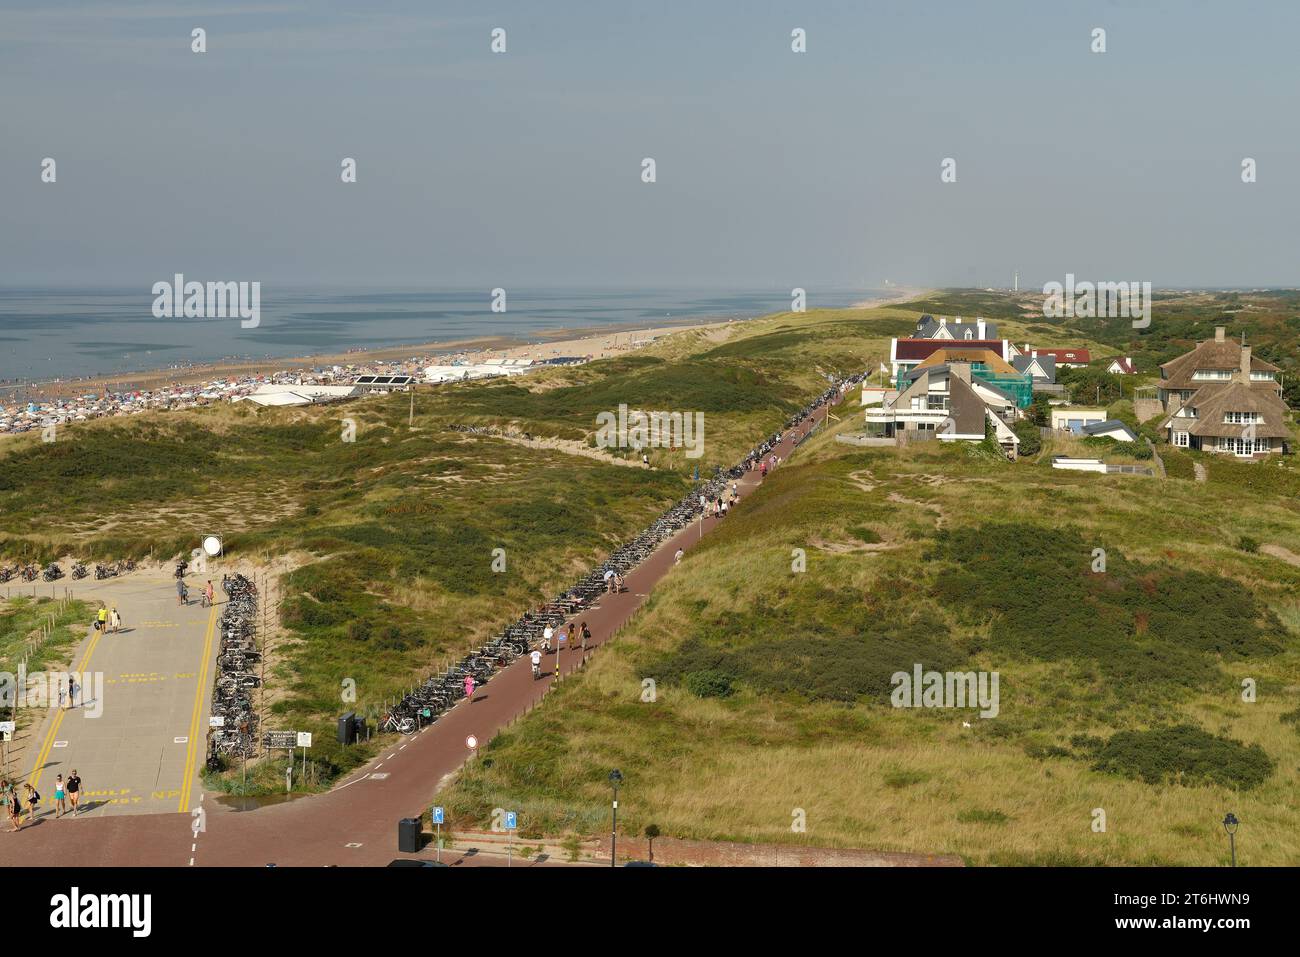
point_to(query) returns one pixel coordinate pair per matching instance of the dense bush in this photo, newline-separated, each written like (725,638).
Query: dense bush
(1036,588)
(709,683)
(1031,440)
(1184,755)
(1177,464)
(821,643)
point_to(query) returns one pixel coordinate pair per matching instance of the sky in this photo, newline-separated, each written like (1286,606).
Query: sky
(773,168)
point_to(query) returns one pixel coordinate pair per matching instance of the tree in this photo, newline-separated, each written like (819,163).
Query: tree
(1040,410)
(1031,440)
(1092,384)
(651,832)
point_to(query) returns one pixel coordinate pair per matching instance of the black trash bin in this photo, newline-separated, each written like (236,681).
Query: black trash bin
(348,728)
(347,733)
(408,835)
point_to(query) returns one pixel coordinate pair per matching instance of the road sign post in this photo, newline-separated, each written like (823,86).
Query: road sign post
(512,821)
(437,814)
(7,729)
(303,741)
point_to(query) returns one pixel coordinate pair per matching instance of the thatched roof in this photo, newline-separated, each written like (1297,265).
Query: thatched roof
(1210,354)
(1212,401)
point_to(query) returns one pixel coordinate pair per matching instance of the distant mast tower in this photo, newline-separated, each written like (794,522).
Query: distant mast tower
(1015,281)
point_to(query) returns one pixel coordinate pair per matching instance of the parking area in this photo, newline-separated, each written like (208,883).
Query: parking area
(137,732)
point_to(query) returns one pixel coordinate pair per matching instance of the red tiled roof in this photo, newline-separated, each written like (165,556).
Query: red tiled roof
(917,349)
(1067,355)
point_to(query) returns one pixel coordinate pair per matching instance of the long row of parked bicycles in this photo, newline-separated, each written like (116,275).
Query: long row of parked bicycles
(238,664)
(54,571)
(438,693)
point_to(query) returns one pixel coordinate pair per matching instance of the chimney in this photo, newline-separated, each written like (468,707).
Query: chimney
(1218,333)
(943,320)
(1034,354)
(979,327)
(961,370)
(1245,365)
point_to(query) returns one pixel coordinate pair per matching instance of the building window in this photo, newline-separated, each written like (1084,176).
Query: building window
(1261,445)
(1213,375)
(1181,439)
(1240,418)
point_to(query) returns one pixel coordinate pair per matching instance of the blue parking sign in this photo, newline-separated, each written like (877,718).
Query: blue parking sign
(511,822)
(437,815)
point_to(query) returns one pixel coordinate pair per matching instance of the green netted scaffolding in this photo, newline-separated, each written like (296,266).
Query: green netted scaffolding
(1019,387)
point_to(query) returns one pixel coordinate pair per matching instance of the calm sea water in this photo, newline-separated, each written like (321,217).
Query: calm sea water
(73,333)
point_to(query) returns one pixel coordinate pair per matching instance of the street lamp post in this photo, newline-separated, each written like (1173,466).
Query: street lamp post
(1230,824)
(615,779)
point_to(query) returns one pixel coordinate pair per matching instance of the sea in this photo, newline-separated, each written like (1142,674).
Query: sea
(61,334)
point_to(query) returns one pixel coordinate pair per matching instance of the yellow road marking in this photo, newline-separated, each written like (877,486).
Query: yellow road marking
(44,753)
(192,745)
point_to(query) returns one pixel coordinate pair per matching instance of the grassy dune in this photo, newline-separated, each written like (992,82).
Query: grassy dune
(772,686)
(391,537)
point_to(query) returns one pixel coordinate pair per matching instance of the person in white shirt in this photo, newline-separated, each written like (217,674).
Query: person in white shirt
(536,658)
(546,638)
(678,557)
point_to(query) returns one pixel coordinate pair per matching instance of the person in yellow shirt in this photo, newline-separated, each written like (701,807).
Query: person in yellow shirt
(103,618)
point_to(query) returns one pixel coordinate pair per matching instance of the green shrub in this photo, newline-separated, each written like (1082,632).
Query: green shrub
(709,683)
(1035,589)
(1184,755)
(1031,440)
(1248,544)
(977,816)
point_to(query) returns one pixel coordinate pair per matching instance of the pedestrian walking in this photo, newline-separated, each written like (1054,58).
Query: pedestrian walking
(207,595)
(73,688)
(101,621)
(469,687)
(677,559)
(33,801)
(74,790)
(536,658)
(586,636)
(60,805)
(63,696)
(181,598)
(10,798)
(114,620)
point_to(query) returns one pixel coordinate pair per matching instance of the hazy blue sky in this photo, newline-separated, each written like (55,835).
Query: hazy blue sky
(774,168)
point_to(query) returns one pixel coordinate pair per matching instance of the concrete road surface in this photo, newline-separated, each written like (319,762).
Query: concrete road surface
(137,732)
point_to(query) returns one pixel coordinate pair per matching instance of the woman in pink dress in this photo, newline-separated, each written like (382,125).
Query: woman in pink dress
(469,687)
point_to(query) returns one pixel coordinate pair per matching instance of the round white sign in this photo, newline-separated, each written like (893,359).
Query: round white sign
(212,545)
(471,742)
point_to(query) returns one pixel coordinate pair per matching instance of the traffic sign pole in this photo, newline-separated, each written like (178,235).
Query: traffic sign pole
(437,814)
